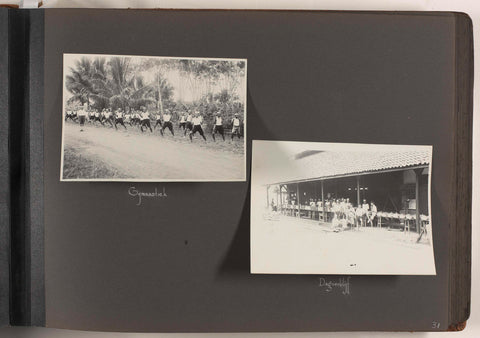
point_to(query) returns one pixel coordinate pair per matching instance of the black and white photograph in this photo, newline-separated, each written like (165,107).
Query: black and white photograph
(340,208)
(152,118)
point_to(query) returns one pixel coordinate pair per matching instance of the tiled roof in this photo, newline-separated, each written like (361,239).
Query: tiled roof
(329,164)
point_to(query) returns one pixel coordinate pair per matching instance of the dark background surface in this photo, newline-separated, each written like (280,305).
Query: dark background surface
(4,173)
(182,263)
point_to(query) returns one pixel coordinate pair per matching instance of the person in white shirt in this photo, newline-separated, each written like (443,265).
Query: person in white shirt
(158,121)
(188,124)
(131,115)
(109,116)
(69,115)
(82,115)
(137,118)
(197,126)
(183,122)
(98,118)
(128,119)
(347,202)
(342,208)
(372,214)
(218,126)
(365,207)
(236,126)
(145,120)
(73,115)
(359,216)
(119,118)
(91,116)
(350,214)
(167,123)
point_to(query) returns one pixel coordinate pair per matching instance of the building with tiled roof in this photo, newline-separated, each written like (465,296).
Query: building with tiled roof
(396,180)
(316,165)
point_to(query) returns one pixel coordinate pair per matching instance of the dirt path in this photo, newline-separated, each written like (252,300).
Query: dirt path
(149,156)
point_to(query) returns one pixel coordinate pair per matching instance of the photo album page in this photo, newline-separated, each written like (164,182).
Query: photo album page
(217,171)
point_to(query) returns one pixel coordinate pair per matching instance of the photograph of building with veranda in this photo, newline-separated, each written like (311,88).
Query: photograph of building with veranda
(333,208)
(153,118)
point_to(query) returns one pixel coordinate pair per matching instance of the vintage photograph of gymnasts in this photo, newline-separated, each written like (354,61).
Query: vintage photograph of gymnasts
(149,118)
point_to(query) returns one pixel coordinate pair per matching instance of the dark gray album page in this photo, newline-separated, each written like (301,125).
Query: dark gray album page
(181,262)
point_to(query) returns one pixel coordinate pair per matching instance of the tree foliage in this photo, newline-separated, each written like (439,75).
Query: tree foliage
(123,82)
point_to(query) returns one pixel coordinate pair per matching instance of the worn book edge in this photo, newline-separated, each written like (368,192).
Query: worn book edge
(460,217)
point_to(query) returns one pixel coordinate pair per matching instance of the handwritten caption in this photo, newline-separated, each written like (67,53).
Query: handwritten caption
(342,283)
(140,195)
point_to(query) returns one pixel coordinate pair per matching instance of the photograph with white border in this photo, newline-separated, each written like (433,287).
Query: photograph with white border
(341,208)
(153,118)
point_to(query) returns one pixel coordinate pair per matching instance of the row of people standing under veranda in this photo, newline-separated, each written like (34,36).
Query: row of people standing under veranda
(345,214)
(340,212)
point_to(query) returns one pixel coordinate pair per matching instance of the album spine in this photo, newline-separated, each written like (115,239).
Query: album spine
(461,225)
(25,167)
(34,115)
(4,171)
(18,80)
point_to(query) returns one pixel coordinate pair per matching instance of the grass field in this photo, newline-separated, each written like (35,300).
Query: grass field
(79,166)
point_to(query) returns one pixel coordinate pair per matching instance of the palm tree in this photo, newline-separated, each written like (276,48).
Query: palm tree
(101,92)
(119,82)
(129,90)
(89,82)
(116,83)
(79,83)
(139,93)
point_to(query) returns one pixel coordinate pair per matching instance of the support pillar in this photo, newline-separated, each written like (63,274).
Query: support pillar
(323,204)
(278,197)
(281,199)
(268,199)
(418,172)
(359,203)
(288,200)
(298,199)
